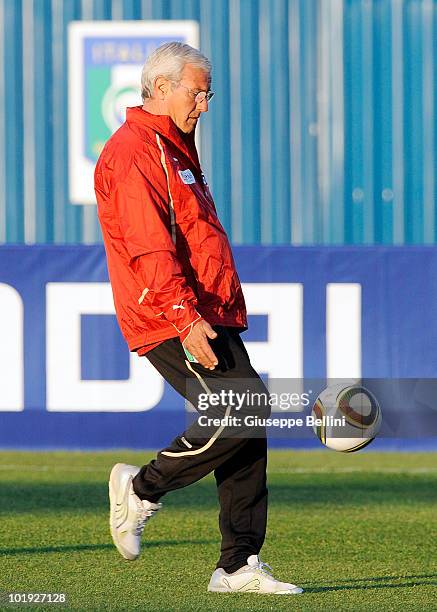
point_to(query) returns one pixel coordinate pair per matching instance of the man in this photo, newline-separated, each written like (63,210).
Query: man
(179,302)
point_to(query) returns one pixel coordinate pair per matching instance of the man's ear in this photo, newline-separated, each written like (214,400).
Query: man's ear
(162,87)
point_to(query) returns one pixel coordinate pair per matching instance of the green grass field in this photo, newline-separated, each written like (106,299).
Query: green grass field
(358,532)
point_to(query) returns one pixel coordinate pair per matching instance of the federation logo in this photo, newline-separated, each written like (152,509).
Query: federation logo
(105,62)
(187,177)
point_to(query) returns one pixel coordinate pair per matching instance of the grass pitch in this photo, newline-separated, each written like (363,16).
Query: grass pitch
(358,532)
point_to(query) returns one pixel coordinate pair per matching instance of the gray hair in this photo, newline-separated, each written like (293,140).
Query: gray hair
(169,61)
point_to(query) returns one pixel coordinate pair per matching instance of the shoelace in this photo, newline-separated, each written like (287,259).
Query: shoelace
(261,567)
(143,516)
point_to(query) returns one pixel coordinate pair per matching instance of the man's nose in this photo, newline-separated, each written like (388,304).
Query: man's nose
(203,106)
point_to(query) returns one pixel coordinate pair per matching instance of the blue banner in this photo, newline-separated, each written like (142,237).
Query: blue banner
(68,380)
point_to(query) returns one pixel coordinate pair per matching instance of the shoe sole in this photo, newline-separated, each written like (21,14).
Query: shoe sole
(112,505)
(297,591)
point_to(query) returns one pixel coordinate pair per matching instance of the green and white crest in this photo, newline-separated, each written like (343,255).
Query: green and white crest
(105,62)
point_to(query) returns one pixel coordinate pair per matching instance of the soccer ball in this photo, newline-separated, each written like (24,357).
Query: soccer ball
(346,418)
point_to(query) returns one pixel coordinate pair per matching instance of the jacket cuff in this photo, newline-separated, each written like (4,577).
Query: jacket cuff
(183,318)
(183,335)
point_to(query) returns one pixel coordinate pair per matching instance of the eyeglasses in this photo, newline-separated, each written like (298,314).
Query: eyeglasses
(200,96)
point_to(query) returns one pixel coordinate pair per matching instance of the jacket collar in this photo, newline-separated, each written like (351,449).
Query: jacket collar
(164,126)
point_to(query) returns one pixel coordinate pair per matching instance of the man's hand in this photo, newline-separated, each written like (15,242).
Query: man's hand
(197,343)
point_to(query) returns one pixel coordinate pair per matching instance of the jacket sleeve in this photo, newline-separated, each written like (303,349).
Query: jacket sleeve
(145,225)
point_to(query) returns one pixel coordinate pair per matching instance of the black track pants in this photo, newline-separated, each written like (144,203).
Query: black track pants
(239,461)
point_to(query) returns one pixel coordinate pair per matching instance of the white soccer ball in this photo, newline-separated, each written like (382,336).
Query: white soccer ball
(346,418)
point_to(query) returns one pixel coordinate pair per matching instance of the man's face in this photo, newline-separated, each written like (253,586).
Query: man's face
(181,105)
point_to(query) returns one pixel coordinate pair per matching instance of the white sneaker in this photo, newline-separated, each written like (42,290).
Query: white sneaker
(128,513)
(252,578)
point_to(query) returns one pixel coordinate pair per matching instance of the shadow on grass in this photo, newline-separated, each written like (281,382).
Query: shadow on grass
(93,547)
(23,497)
(382,578)
(376,582)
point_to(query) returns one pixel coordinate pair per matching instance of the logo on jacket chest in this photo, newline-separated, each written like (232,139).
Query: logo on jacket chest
(187,177)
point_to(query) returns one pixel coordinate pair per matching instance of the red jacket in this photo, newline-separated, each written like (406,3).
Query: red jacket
(169,259)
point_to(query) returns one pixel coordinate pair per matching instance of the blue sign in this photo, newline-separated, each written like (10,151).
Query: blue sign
(68,380)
